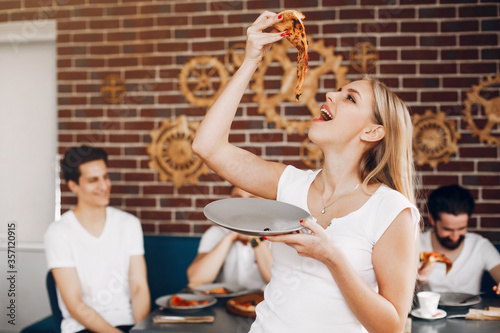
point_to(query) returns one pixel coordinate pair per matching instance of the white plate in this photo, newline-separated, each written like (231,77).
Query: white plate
(451,299)
(439,314)
(234,289)
(164,302)
(256,217)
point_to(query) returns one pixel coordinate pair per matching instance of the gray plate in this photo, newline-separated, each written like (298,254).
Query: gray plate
(164,302)
(450,299)
(256,217)
(235,290)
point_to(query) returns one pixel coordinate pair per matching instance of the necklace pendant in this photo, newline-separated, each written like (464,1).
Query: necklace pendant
(323,211)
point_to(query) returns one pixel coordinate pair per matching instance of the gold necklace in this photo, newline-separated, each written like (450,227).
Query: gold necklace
(334,201)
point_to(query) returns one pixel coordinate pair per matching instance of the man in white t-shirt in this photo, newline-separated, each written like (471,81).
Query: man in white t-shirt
(96,252)
(450,208)
(226,256)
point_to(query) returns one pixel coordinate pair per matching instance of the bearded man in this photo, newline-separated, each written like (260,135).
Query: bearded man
(450,208)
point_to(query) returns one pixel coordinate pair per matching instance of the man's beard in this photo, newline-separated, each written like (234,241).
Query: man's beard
(447,242)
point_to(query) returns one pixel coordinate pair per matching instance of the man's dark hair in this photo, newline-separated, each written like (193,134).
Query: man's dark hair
(76,156)
(451,199)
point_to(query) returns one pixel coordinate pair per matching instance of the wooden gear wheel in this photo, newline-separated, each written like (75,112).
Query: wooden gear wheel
(202,80)
(172,155)
(363,57)
(490,106)
(113,89)
(267,105)
(234,57)
(434,138)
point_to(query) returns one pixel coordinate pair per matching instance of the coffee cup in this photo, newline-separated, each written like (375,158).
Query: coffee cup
(428,301)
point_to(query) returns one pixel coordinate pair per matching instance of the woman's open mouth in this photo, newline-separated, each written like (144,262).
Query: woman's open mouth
(325,113)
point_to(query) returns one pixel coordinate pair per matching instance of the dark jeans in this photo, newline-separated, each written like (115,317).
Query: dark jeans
(121,328)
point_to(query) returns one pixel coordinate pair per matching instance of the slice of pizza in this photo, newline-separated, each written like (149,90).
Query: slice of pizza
(292,22)
(430,257)
(177,301)
(217,291)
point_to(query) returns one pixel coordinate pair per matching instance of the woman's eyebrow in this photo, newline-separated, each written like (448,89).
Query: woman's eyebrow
(354,91)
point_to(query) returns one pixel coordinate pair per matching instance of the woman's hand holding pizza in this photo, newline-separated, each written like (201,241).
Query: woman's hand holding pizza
(258,41)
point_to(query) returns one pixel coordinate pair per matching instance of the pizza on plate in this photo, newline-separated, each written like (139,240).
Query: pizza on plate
(430,257)
(177,301)
(244,305)
(292,23)
(217,291)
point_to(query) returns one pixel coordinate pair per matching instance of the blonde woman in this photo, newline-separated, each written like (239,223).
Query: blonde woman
(355,270)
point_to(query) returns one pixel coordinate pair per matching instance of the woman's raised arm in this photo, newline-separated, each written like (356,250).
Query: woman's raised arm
(240,167)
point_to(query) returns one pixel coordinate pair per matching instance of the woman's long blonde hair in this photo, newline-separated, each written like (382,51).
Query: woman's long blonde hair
(390,161)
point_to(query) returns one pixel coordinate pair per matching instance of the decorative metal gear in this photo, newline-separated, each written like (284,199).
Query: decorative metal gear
(202,80)
(434,138)
(490,107)
(363,57)
(310,154)
(171,152)
(267,105)
(113,89)
(234,57)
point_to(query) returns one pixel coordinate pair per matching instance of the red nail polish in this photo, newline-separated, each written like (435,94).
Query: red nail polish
(287,32)
(301,221)
(282,35)
(265,238)
(280,17)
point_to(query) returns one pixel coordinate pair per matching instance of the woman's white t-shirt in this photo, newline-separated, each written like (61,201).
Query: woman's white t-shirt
(302,295)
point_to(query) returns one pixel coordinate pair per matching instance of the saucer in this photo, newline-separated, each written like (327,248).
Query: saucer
(439,314)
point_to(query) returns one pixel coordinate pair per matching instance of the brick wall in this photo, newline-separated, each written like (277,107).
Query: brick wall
(431,53)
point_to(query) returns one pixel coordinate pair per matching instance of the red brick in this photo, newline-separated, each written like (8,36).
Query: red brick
(158,189)
(267,4)
(478,11)
(122,189)
(155,215)
(155,9)
(440,180)
(141,177)
(123,62)
(7,5)
(174,20)
(140,202)
(172,47)
(175,202)
(138,23)
(154,34)
(419,54)
(121,10)
(105,49)
(190,7)
(173,228)
(356,14)
(474,152)
(86,113)
(439,41)
(71,25)
(121,36)
(88,37)
(190,33)
(479,67)
(88,12)
(72,125)
(104,24)
(420,26)
(479,39)
(398,41)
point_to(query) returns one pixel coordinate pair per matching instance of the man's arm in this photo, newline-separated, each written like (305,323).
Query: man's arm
(139,289)
(68,283)
(495,274)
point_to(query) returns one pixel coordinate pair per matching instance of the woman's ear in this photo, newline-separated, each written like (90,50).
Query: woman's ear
(373,133)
